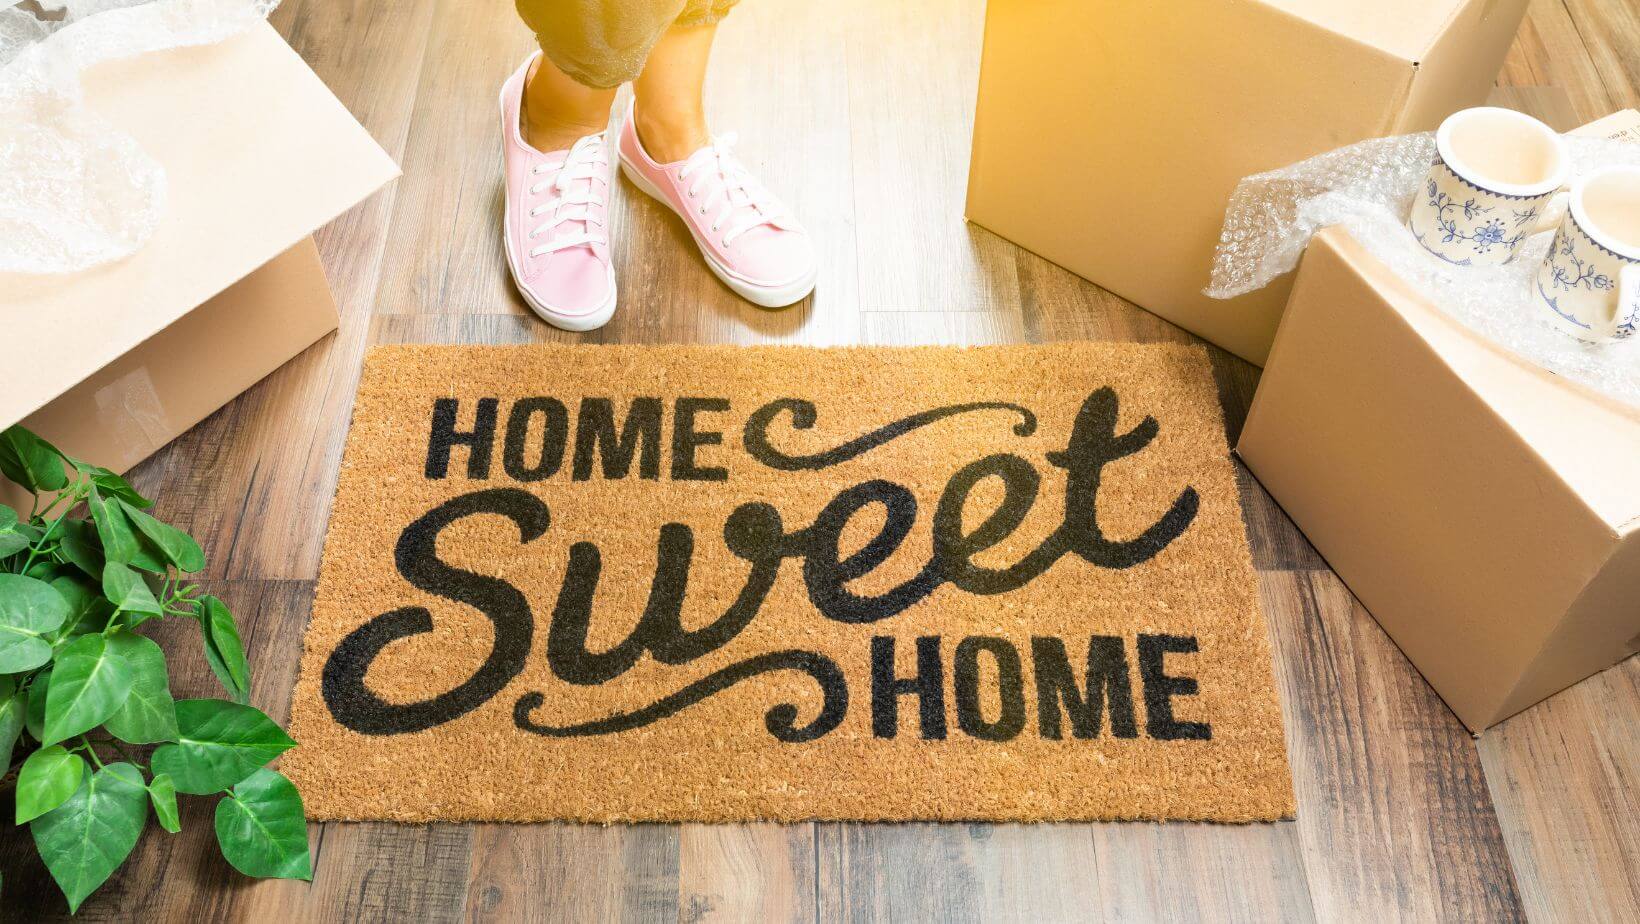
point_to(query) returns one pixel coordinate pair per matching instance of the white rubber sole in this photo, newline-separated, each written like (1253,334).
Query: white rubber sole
(779,296)
(575,323)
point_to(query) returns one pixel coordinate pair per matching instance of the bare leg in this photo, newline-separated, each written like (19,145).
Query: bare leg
(557,111)
(669,110)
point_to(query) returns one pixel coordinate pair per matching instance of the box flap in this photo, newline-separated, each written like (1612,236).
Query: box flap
(1588,440)
(1404,28)
(1461,64)
(257,154)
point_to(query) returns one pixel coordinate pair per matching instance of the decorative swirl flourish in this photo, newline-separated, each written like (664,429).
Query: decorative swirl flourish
(781,719)
(803,413)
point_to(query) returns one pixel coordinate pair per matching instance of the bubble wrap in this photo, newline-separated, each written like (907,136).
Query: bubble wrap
(75,191)
(1368,188)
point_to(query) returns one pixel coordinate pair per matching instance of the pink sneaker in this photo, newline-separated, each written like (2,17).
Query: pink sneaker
(748,238)
(555,225)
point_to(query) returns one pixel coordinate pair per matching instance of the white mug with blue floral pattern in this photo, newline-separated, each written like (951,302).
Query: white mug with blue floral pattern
(1590,281)
(1493,185)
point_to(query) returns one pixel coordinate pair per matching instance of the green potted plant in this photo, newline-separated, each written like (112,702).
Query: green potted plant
(87,718)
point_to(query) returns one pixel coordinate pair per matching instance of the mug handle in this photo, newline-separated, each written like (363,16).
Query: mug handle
(1627,314)
(1554,212)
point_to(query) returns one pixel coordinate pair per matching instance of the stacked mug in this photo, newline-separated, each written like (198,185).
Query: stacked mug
(1501,176)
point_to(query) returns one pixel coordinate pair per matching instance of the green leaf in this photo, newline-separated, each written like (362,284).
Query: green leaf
(86,838)
(223,650)
(78,593)
(111,485)
(148,714)
(89,682)
(218,744)
(164,797)
(44,570)
(48,778)
(118,538)
(179,548)
(29,608)
(13,714)
(261,828)
(88,609)
(12,542)
(128,591)
(81,547)
(30,461)
(34,717)
(121,540)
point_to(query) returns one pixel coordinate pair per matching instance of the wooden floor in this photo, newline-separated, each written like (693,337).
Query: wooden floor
(1402,816)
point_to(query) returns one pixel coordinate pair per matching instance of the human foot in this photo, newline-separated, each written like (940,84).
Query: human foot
(749,239)
(556,221)
(555,111)
(671,131)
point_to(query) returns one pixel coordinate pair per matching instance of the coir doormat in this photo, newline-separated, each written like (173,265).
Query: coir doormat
(721,584)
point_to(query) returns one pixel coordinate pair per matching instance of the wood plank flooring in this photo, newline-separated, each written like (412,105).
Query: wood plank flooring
(862,118)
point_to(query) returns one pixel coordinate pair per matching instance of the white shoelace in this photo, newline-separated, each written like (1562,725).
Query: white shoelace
(722,182)
(574,194)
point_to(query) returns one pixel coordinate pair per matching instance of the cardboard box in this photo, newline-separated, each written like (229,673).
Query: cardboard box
(114,362)
(1483,510)
(1109,135)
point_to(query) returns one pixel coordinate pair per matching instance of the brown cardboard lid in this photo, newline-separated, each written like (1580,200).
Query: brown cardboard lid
(257,153)
(1590,441)
(1404,28)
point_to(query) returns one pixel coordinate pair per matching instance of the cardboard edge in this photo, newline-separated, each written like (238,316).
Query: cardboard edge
(1357,40)
(1474,33)
(1341,247)
(1445,29)
(970,187)
(1252,411)
(1359,259)
(1362,261)
(310,327)
(1473,733)
(105,362)
(385,170)
(1528,679)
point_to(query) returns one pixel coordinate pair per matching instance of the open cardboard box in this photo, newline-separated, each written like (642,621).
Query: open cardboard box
(1486,512)
(114,362)
(1109,136)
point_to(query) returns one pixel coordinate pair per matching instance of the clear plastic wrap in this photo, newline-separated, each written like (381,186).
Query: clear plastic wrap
(74,190)
(1368,189)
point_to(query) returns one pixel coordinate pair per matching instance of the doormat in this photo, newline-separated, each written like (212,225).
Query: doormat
(688,583)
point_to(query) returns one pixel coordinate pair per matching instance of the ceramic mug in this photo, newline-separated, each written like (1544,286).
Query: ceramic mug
(1491,187)
(1590,281)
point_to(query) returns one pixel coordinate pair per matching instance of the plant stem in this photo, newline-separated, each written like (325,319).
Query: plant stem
(171,592)
(34,551)
(65,493)
(91,752)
